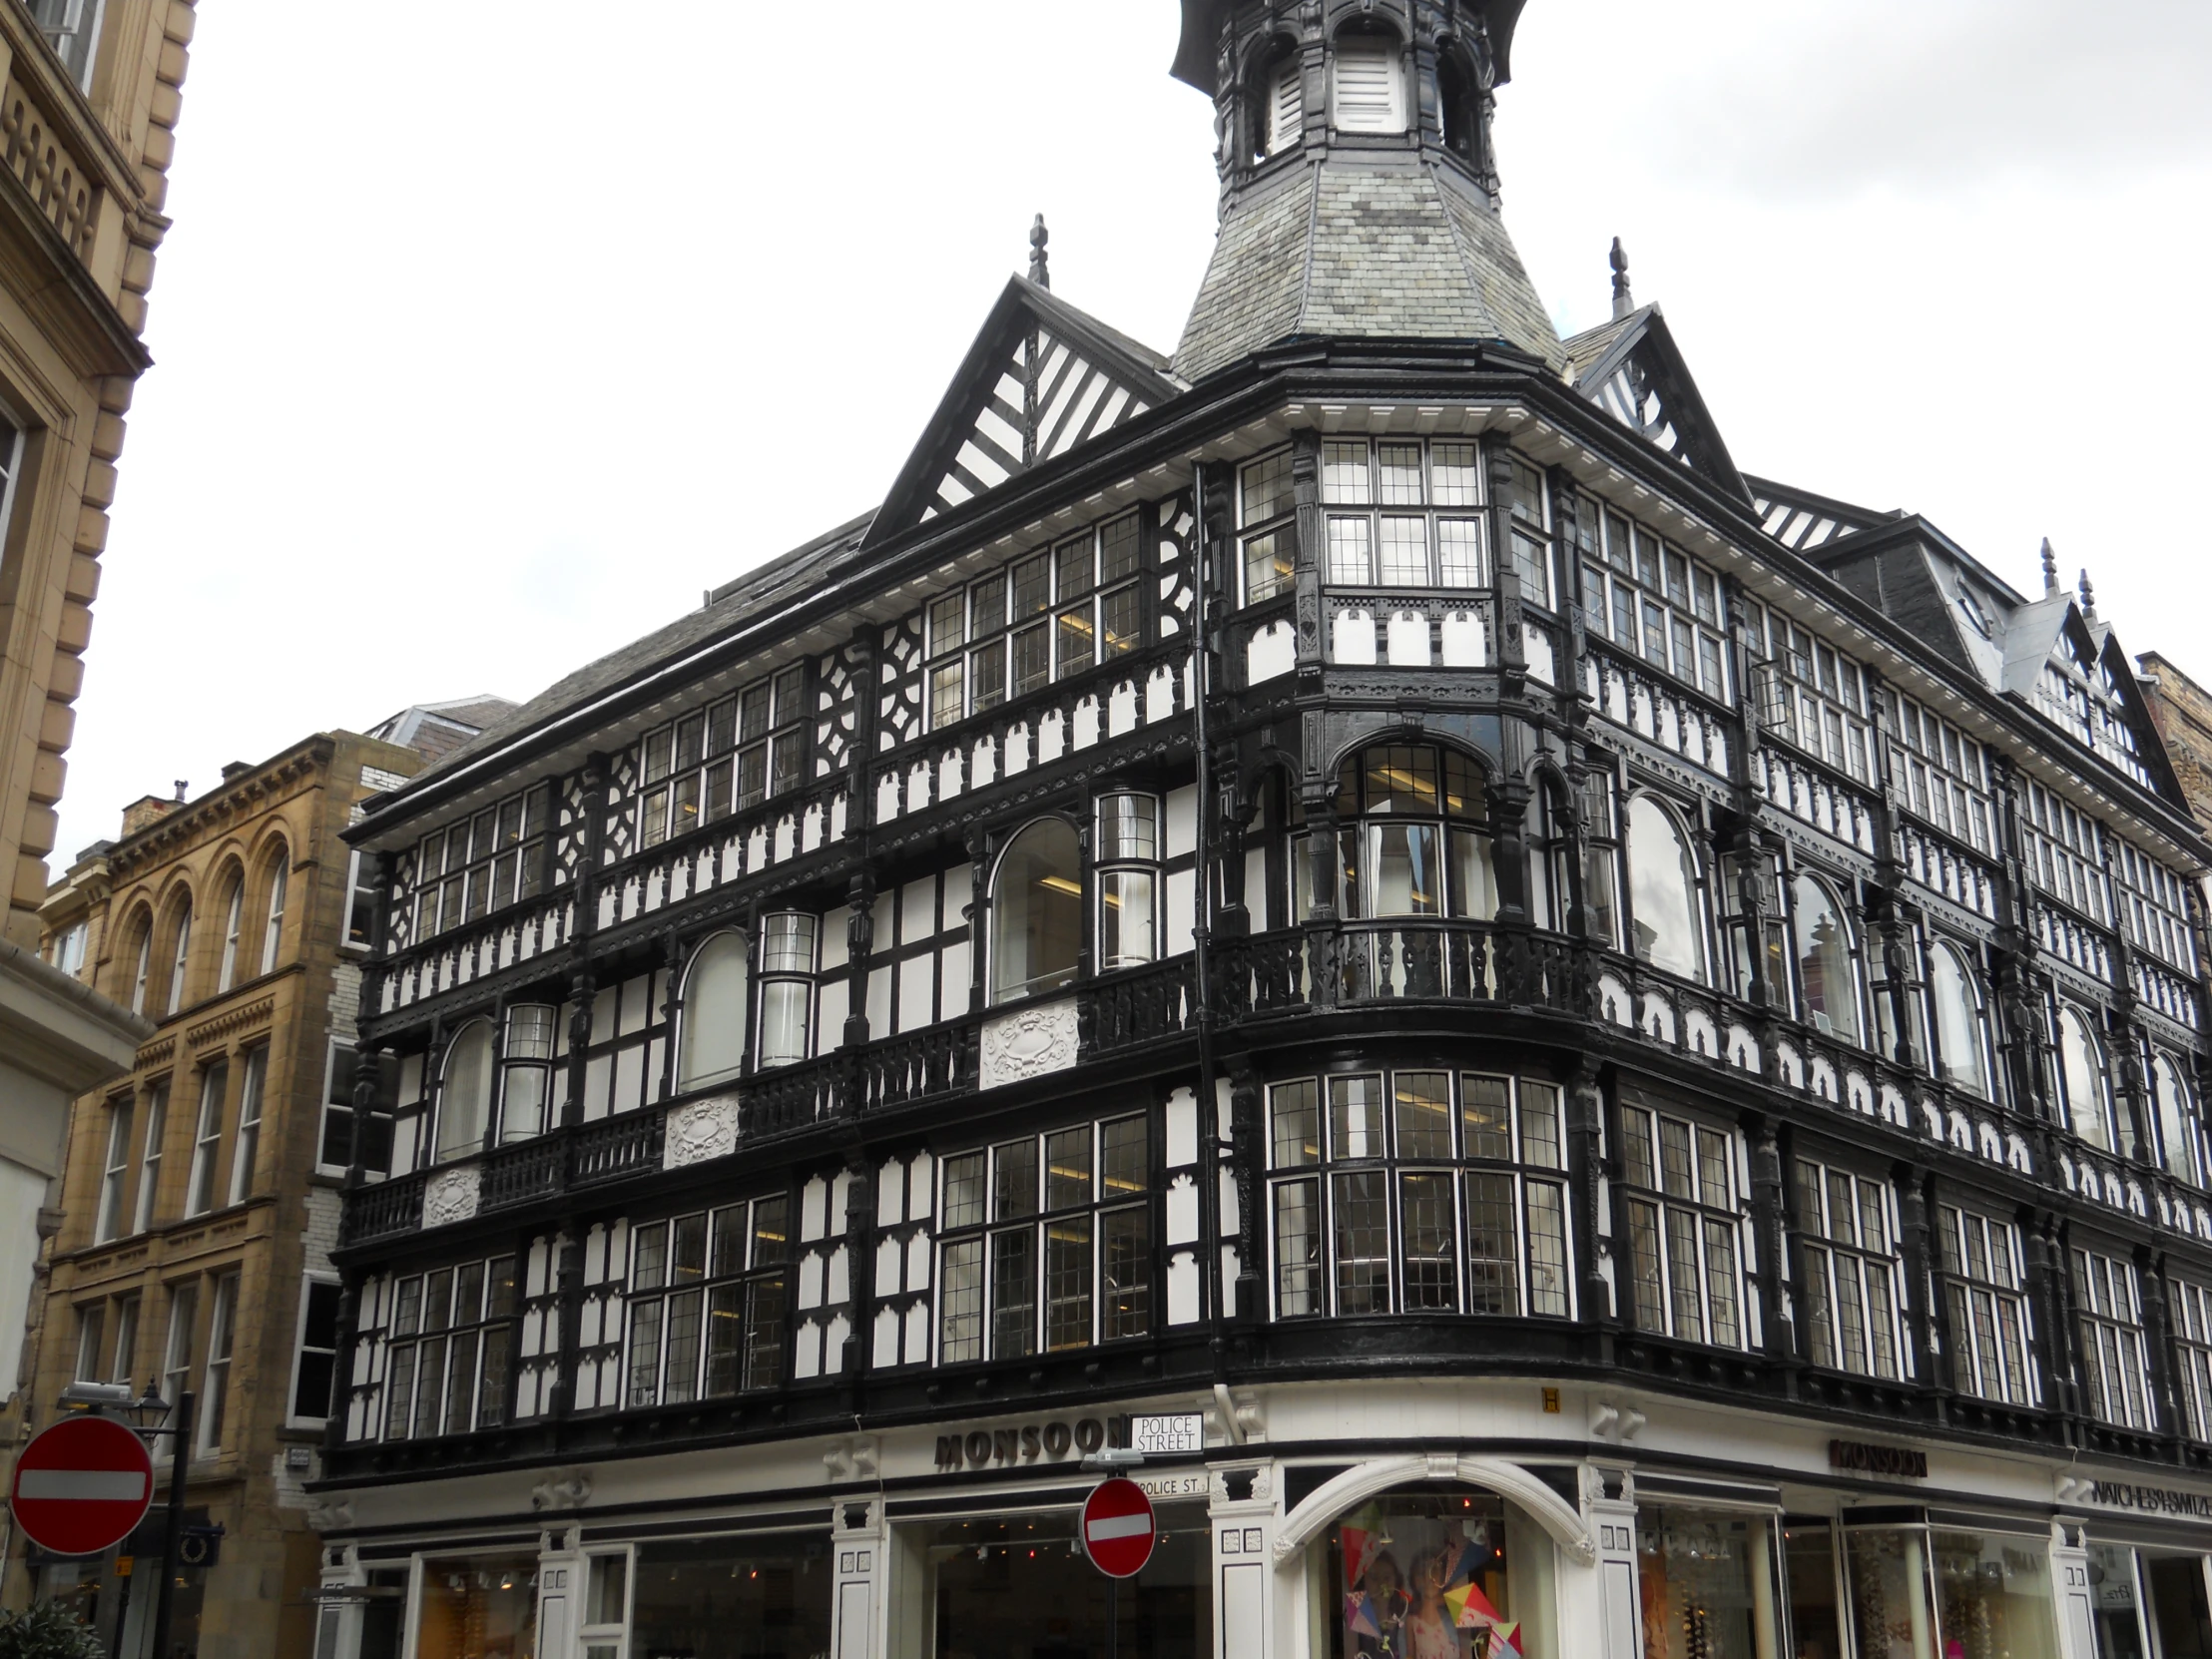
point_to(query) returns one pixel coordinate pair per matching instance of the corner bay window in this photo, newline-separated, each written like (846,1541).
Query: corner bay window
(1051,615)
(1682,1221)
(1982,1283)
(1849,1291)
(1419,1191)
(1422,526)
(709,1304)
(449,1362)
(1047,1243)
(1269,543)
(737,752)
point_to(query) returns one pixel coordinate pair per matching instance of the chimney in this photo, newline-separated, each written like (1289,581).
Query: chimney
(148,809)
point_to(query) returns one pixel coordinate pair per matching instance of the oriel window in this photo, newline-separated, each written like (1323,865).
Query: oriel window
(1401,514)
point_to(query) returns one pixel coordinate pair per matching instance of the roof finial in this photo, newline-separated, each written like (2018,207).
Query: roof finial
(2088,598)
(2050,568)
(1623,301)
(1040,271)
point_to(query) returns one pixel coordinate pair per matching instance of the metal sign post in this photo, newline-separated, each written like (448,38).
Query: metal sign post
(179,1458)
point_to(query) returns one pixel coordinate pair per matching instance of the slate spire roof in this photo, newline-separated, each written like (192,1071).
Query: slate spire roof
(1361,246)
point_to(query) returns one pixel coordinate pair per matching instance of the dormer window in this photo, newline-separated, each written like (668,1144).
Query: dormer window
(1369,93)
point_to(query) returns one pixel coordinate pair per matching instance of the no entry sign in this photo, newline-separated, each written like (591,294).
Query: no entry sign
(1118,1528)
(82,1486)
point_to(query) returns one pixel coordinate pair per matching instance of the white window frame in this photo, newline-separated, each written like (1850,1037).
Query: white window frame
(273,929)
(605,1640)
(127,1312)
(213,1417)
(246,1144)
(206,1138)
(293,1420)
(92,1332)
(1285,117)
(181,960)
(227,975)
(115,1173)
(154,1132)
(355,888)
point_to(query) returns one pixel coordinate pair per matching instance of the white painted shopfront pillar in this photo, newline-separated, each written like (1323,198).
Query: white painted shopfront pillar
(2069,1578)
(1242,1517)
(857,1543)
(561,1573)
(1600,1604)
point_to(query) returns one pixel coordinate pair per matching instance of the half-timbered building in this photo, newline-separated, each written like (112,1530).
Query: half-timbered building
(1585,1053)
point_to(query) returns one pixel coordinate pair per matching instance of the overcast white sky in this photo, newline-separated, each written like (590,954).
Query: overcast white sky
(485,349)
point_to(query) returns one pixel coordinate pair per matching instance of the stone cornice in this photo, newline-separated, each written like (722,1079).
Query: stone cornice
(229,1024)
(248,795)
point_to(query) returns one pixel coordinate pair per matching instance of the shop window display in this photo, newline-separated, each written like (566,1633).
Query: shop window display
(1993,1595)
(1433,1576)
(1707,1582)
(1816,1612)
(1020,1586)
(2181,1612)
(478,1607)
(1890,1602)
(729,1598)
(2118,1609)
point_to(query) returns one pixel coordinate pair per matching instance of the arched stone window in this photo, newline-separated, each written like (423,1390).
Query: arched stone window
(464,1092)
(180,952)
(234,915)
(1826,960)
(1961,1028)
(1664,892)
(1037,911)
(1459,105)
(141,959)
(1367,82)
(2181,1140)
(273,913)
(2081,1071)
(715,1002)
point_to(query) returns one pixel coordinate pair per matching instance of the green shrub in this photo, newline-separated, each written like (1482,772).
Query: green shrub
(47,1630)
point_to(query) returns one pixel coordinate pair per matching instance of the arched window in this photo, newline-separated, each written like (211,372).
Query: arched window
(464,1095)
(1037,911)
(2083,1072)
(712,1047)
(1460,103)
(180,935)
(1367,88)
(142,962)
(1277,99)
(1414,835)
(1956,990)
(2179,1133)
(273,929)
(526,1070)
(233,913)
(1663,891)
(1826,960)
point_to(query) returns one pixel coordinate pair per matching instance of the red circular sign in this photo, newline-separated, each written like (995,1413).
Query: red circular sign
(1118,1528)
(82,1486)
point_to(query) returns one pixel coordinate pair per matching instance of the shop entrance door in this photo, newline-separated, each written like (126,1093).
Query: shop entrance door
(2180,1611)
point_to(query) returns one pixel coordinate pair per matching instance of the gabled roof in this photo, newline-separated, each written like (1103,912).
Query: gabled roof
(1805,522)
(1041,378)
(1632,369)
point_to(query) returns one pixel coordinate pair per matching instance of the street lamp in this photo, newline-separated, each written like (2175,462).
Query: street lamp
(153,1414)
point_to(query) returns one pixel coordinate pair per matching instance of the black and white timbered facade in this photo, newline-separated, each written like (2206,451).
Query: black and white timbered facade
(1614,1045)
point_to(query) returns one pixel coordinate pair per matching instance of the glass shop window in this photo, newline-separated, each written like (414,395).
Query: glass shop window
(1433,1575)
(478,1607)
(1707,1583)
(727,1598)
(1013,1587)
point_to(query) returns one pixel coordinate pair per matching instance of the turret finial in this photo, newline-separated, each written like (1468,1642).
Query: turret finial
(2050,568)
(1041,264)
(1623,301)
(2088,598)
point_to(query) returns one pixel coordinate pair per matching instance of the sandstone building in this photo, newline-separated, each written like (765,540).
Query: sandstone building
(200,1200)
(89,99)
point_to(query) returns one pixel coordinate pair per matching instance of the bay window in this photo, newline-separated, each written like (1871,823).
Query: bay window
(1418,1192)
(1127,873)
(1265,514)
(788,942)
(526,1070)
(1401,514)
